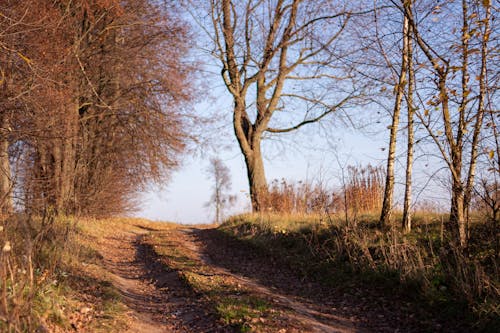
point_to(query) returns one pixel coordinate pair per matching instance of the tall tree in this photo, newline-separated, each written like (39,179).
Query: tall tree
(279,59)
(410,106)
(400,89)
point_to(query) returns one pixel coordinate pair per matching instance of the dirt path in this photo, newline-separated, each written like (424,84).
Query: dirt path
(158,300)
(178,279)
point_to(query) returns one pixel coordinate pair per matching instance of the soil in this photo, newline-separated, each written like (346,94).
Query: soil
(161,301)
(158,300)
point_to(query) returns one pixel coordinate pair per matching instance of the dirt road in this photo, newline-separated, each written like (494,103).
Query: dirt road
(158,300)
(197,280)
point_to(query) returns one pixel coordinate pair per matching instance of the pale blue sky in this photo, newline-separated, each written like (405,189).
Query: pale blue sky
(183,200)
(309,153)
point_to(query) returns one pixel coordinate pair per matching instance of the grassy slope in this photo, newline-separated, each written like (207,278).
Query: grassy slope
(321,248)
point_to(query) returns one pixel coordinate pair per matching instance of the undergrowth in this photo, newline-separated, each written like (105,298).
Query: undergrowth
(460,284)
(50,277)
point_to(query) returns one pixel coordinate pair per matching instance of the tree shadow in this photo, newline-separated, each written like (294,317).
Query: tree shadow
(366,305)
(193,312)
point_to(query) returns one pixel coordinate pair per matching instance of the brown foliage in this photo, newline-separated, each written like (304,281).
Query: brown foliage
(101,103)
(362,193)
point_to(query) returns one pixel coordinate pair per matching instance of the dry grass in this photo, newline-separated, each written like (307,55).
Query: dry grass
(328,249)
(99,228)
(360,195)
(30,270)
(51,275)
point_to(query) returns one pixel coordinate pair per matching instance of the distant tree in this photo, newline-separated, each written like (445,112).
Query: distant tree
(221,177)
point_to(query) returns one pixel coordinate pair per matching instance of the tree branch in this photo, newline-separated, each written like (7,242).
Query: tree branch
(331,109)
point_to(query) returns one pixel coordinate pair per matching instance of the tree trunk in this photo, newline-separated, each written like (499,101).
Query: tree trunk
(479,116)
(6,205)
(64,168)
(67,181)
(411,135)
(69,163)
(55,191)
(386,213)
(218,199)
(457,216)
(256,179)
(249,140)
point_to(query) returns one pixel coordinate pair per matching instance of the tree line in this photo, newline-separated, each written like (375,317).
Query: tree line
(92,102)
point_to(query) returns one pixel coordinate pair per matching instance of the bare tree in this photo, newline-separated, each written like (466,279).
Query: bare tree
(400,88)
(283,68)
(410,106)
(221,177)
(451,60)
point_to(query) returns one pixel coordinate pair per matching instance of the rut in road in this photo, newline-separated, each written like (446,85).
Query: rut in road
(158,301)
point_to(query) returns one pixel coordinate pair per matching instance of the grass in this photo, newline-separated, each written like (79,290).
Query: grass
(241,310)
(52,276)
(328,250)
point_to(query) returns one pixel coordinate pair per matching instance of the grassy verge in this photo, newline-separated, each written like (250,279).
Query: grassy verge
(440,276)
(52,278)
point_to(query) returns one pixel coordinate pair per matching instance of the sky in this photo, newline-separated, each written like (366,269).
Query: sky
(184,199)
(311,153)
